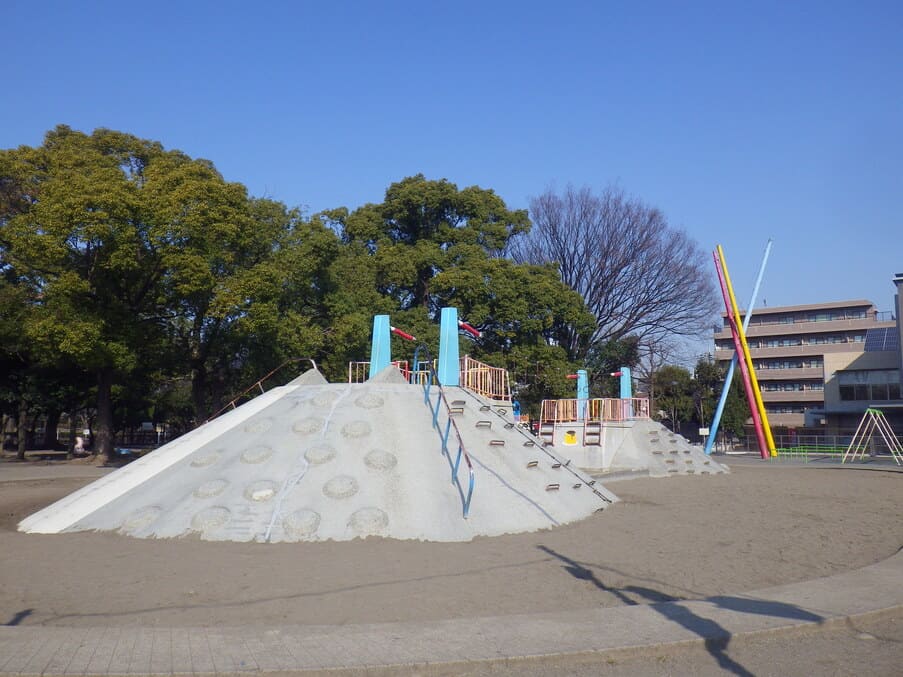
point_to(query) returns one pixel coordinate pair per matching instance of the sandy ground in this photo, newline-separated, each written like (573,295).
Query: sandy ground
(674,538)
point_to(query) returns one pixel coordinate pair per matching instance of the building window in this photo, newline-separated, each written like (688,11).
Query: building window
(786,408)
(878,385)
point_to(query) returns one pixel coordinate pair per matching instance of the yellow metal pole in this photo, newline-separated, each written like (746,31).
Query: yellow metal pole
(757,394)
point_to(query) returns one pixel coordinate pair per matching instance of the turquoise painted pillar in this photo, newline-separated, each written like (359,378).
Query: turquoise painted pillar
(582,394)
(626,384)
(381,345)
(449,359)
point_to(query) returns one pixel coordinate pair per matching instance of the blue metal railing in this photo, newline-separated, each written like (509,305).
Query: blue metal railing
(444,435)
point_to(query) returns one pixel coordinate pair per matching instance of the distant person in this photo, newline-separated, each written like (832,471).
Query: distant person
(79,445)
(515,408)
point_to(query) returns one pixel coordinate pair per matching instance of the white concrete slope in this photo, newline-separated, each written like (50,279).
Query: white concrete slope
(315,461)
(646,445)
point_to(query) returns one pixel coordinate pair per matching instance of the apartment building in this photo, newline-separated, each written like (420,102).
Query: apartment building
(821,365)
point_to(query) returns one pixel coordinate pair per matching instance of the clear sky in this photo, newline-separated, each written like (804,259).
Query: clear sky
(739,120)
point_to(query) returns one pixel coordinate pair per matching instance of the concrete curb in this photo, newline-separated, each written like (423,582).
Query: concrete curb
(449,647)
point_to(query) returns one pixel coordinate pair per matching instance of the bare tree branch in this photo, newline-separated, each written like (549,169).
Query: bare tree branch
(637,275)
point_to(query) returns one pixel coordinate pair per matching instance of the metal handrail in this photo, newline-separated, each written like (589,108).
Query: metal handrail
(259,384)
(449,425)
(564,463)
(359,372)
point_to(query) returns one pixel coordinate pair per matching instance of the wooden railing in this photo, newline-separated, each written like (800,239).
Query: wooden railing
(491,382)
(605,409)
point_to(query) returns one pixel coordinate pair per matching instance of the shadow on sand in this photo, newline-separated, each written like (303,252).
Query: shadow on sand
(716,637)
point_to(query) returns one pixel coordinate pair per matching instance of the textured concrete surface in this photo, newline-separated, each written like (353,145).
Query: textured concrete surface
(644,446)
(452,647)
(318,461)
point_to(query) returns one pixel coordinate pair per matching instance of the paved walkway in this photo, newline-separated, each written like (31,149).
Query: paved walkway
(446,647)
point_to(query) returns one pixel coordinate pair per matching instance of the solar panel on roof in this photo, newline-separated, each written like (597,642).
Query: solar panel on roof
(882,338)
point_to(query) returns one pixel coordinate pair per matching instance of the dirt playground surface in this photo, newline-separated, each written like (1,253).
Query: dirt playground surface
(674,538)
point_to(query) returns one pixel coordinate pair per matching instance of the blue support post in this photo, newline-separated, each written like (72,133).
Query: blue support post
(381,345)
(582,394)
(449,360)
(716,419)
(626,393)
(626,384)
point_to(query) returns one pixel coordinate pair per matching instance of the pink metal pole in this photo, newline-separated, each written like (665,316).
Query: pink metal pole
(744,370)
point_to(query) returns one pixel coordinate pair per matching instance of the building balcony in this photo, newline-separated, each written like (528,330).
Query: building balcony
(793,396)
(813,350)
(790,374)
(809,328)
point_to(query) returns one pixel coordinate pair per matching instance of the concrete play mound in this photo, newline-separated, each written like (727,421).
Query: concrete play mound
(314,461)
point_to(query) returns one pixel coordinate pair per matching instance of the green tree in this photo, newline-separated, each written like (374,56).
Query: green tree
(424,227)
(606,358)
(430,245)
(674,396)
(736,410)
(85,239)
(281,302)
(708,377)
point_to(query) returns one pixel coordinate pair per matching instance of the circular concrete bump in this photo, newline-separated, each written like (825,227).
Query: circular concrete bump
(319,454)
(308,426)
(369,401)
(379,459)
(341,486)
(260,491)
(260,425)
(356,429)
(206,459)
(210,489)
(369,521)
(324,399)
(301,524)
(141,519)
(255,455)
(209,519)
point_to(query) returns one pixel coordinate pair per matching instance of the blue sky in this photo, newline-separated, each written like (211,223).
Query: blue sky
(739,120)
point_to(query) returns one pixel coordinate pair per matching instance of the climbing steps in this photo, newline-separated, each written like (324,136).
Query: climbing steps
(652,446)
(592,433)
(547,433)
(501,435)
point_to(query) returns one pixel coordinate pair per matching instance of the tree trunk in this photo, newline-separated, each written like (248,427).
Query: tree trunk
(70,447)
(104,439)
(50,429)
(21,430)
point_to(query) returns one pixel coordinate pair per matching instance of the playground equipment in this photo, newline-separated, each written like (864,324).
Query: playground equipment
(750,382)
(873,421)
(729,376)
(313,461)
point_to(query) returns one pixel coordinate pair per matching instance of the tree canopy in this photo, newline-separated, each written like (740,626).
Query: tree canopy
(637,275)
(137,283)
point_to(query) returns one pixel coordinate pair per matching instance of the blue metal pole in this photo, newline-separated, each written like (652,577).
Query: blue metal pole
(626,393)
(582,394)
(449,362)
(381,345)
(716,419)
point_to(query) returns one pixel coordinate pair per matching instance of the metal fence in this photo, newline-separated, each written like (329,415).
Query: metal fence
(491,382)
